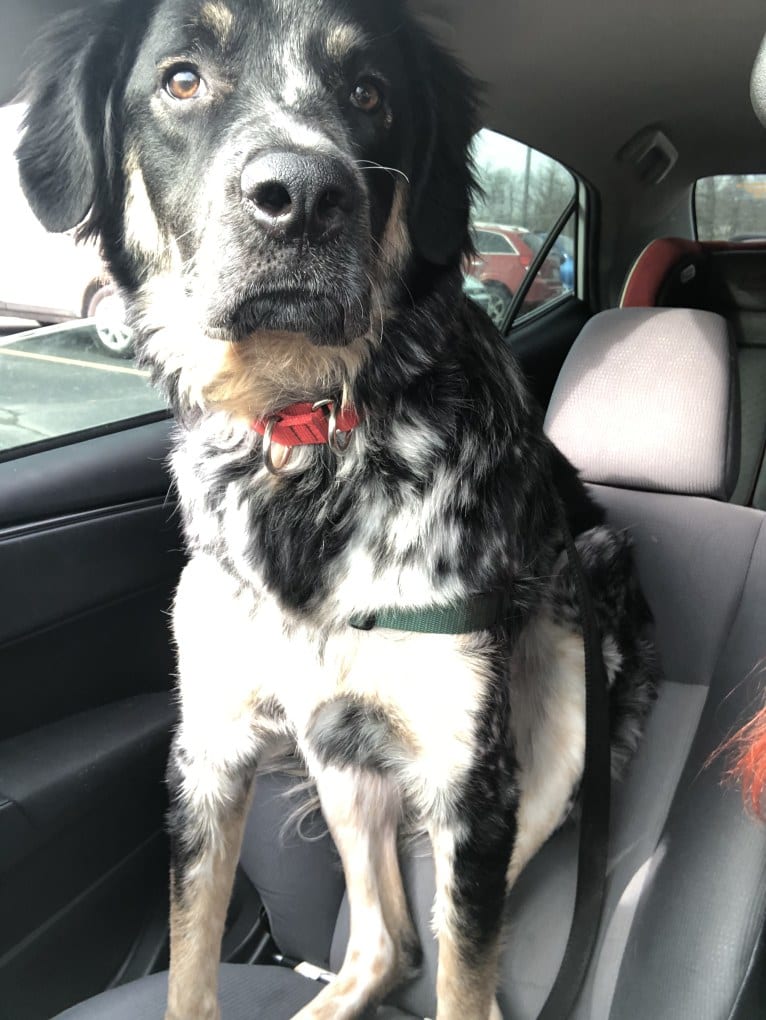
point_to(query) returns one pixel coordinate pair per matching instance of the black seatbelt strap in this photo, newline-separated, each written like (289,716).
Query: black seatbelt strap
(594,818)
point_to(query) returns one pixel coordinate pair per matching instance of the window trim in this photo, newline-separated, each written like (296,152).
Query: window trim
(695,228)
(93,432)
(571,208)
(541,310)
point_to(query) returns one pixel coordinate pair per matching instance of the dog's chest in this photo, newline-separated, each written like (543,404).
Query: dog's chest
(248,672)
(328,545)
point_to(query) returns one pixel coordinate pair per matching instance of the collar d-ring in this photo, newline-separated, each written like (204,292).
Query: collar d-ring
(334,441)
(267,445)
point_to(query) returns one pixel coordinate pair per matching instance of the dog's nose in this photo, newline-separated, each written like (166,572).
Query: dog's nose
(296,194)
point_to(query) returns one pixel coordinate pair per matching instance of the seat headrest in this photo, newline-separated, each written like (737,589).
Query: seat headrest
(648,398)
(758,84)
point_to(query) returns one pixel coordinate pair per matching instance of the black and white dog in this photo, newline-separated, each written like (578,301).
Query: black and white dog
(281,189)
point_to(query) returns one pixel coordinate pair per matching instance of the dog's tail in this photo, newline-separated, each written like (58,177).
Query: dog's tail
(626,626)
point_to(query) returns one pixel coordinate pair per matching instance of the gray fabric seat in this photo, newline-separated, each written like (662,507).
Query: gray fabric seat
(274,993)
(682,933)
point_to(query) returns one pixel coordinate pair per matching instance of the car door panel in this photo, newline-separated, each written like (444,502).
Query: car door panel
(123,466)
(90,554)
(541,343)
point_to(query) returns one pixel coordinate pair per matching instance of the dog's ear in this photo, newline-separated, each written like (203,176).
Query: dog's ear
(62,157)
(442,178)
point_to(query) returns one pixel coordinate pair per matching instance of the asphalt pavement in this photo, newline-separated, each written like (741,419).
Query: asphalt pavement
(56,381)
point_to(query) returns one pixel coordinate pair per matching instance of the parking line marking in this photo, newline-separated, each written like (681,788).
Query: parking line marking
(73,361)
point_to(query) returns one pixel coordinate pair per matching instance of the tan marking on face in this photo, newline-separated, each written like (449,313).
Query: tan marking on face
(143,235)
(219,19)
(395,244)
(342,39)
(393,252)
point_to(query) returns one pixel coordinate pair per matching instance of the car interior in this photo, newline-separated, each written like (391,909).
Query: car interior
(652,372)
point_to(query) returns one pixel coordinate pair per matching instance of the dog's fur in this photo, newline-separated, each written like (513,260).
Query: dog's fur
(447,490)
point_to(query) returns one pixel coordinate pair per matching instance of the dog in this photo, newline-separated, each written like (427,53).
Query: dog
(376,568)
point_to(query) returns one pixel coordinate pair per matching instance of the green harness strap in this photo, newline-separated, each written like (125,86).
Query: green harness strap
(476,613)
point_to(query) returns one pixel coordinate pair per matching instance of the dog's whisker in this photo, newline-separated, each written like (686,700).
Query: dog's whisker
(368,164)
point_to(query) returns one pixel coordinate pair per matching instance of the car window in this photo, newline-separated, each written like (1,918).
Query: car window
(731,207)
(523,195)
(66,358)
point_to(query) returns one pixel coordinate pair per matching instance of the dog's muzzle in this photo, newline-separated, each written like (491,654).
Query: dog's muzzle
(293,195)
(299,239)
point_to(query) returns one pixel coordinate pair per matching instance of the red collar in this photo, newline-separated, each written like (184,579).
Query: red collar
(306,424)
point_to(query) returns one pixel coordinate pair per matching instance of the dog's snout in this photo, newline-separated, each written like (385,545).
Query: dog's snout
(297,194)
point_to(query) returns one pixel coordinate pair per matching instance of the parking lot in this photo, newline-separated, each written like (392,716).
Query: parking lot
(55,381)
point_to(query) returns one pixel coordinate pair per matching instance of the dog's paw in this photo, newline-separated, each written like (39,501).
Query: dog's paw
(203,1013)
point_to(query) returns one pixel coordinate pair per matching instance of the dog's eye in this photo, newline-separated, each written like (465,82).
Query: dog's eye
(366,96)
(184,83)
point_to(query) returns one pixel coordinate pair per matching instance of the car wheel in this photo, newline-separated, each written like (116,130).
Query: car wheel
(500,299)
(112,335)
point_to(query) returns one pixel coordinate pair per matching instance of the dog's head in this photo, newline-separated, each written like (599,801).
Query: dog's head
(273,174)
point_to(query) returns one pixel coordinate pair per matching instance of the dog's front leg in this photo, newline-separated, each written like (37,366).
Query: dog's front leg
(471,860)
(210,773)
(208,807)
(362,810)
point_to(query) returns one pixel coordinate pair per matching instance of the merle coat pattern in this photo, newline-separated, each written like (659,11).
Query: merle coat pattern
(282,192)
